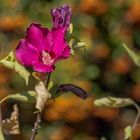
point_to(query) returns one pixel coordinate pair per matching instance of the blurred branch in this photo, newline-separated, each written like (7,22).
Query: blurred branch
(38,120)
(137,117)
(36,126)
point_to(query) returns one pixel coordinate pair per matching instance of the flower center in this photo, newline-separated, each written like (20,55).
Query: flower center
(46,58)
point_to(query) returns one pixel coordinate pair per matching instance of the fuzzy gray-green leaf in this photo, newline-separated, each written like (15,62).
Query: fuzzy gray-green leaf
(22,72)
(113,102)
(29,96)
(134,55)
(10,62)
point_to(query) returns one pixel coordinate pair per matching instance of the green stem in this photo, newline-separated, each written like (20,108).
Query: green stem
(48,80)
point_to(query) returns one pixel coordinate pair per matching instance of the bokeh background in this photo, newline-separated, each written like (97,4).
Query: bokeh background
(104,69)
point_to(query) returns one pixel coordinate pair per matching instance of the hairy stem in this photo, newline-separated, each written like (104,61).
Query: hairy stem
(38,119)
(36,126)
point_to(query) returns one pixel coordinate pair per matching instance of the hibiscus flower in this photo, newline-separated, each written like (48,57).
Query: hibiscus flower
(42,48)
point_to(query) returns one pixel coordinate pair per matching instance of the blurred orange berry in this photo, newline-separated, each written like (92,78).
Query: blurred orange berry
(108,114)
(101,51)
(133,14)
(97,7)
(69,108)
(8,23)
(121,65)
(136,92)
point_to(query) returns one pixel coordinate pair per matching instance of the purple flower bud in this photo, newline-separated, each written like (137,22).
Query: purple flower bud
(72,88)
(61,16)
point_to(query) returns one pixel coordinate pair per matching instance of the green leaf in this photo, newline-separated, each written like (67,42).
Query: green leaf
(70,28)
(113,102)
(128,132)
(10,62)
(1,134)
(134,55)
(22,72)
(71,42)
(80,45)
(29,96)
(76,44)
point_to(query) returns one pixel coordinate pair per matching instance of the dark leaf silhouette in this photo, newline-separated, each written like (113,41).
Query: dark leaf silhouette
(72,88)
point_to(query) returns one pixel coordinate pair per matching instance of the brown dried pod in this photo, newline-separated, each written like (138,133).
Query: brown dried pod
(10,126)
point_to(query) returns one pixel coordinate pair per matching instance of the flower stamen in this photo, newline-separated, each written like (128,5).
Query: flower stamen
(46,58)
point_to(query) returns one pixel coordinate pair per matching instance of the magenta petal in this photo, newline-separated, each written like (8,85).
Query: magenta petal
(25,53)
(49,41)
(59,43)
(66,52)
(36,36)
(40,67)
